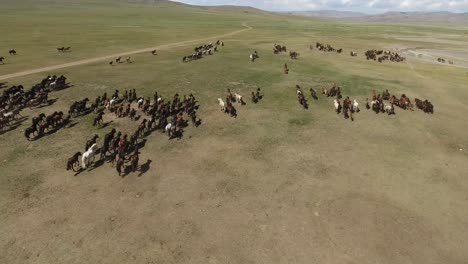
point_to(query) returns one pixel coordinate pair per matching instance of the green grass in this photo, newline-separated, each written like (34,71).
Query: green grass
(268,144)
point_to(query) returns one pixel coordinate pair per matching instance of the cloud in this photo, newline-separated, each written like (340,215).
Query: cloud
(372,6)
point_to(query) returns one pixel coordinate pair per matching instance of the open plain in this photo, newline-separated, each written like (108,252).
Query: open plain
(277,184)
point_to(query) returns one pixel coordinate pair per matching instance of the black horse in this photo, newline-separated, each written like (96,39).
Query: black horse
(30,130)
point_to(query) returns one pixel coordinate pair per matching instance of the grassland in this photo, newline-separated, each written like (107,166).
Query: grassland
(278,184)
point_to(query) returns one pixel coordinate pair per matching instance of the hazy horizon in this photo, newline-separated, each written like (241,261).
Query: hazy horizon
(362,6)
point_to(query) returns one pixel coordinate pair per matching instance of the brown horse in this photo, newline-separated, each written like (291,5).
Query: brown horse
(98,120)
(74,161)
(134,161)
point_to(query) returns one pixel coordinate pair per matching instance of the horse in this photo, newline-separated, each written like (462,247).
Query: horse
(118,59)
(134,161)
(142,128)
(98,120)
(12,52)
(91,142)
(1,60)
(239,98)
(88,156)
(222,104)
(389,109)
(313,93)
(62,49)
(119,165)
(74,161)
(170,130)
(337,105)
(128,59)
(356,106)
(254,98)
(353,54)
(30,130)
(302,100)
(154,52)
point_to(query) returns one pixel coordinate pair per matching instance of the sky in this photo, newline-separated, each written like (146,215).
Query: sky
(366,6)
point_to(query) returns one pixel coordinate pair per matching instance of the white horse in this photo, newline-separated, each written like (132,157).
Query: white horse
(239,98)
(170,129)
(222,104)
(389,109)
(53,85)
(336,103)
(88,156)
(252,57)
(110,104)
(356,106)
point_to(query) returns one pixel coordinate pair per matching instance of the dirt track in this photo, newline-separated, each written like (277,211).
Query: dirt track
(112,56)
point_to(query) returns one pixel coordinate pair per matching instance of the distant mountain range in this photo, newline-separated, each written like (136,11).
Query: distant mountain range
(391,17)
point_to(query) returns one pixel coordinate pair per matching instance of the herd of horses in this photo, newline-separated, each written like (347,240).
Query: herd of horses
(278,48)
(43,124)
(170,117)
(325,48)
(11,52)
(64,49)
(203,50)
(381,55)
(380,103)
(442,60)
(376,55)
(120,60)
(15,98)
(227,105)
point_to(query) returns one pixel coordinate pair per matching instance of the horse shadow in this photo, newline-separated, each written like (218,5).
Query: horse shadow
(85,112)
(178,134)
(183,124)
(49,103)
(140,144)
(97,164)
(70,125)
(66,86)
(14,125)
(106,124)
(145,167)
